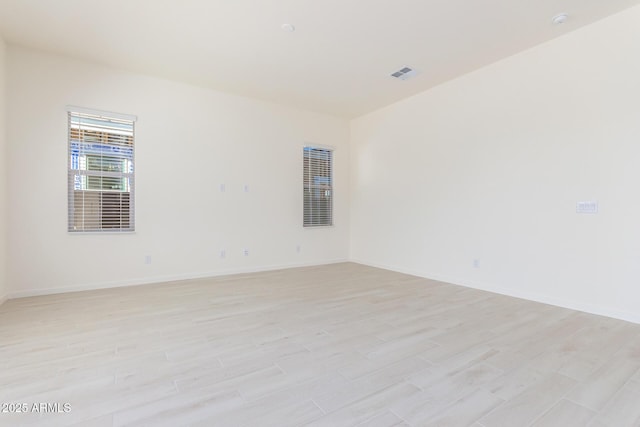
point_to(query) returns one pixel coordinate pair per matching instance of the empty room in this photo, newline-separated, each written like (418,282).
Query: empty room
(320,213)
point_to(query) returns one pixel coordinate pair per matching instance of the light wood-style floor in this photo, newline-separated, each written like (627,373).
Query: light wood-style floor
(338,345)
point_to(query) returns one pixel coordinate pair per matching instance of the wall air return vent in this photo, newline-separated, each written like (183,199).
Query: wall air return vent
(404,73)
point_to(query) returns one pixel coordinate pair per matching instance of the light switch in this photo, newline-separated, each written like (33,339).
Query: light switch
(588,207)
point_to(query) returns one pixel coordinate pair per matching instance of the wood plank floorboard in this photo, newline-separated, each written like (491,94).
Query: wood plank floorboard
(335,345)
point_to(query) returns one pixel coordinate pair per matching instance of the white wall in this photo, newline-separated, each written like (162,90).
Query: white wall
(188,141)
(490,167)
(487,167)
(3,178)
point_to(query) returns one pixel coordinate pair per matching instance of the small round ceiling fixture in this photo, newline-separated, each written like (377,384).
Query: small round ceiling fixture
(560,19)
(288,28)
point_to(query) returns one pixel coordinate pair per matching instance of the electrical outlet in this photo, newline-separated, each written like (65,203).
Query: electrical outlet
(476,263)
(147,259)
(223,188)
(223,253)
(298,248)
(245,252)
(246,188)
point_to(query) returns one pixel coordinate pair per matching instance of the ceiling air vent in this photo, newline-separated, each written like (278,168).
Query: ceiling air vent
(404,73)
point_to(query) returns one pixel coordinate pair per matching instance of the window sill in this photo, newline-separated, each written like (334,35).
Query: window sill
(99,233)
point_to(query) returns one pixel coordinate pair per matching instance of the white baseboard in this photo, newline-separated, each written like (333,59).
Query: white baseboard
(530,296)
(161,279)
(545,299)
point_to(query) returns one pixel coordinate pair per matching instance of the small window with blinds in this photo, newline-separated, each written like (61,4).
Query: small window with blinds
(101,171)
(318,187)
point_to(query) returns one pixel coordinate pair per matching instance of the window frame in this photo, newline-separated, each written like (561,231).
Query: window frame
(72,172)
(331,186)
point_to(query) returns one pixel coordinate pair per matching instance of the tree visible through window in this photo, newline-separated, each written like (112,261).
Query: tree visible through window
(318,187)
(101,171)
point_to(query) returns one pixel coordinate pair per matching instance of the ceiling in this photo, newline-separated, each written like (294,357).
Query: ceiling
(338,60)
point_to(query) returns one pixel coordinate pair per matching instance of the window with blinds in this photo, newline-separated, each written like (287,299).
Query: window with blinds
(318,187)
(101,171)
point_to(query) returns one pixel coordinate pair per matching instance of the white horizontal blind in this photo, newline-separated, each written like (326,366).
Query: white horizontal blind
(101,172)
(318,187)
